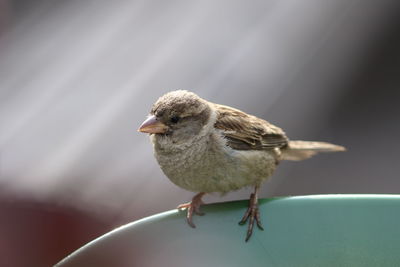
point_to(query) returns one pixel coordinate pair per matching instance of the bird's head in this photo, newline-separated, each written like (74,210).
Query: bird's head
(180,115)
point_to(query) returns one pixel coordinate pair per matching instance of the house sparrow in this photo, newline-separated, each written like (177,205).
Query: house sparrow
(206,147)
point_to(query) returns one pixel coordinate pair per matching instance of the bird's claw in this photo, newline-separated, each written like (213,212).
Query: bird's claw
(253,215)
(192,207)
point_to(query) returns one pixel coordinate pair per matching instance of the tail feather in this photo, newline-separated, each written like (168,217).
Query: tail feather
(300,150)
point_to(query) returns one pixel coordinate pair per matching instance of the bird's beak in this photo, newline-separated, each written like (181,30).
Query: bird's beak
(152,125)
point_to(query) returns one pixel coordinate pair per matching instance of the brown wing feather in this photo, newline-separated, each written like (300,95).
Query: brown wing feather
(246,132)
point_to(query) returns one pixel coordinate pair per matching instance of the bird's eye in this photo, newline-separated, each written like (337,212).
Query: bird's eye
(175,119)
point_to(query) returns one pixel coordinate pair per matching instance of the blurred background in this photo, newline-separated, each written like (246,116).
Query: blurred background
(77,78)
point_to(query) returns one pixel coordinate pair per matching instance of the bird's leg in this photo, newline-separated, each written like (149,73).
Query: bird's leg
(193,206)
(252,213)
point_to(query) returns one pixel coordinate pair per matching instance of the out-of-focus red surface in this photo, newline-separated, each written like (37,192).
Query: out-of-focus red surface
(40,234)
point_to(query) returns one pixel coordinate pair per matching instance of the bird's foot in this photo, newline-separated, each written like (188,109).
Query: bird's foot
(193,207)
(252,214)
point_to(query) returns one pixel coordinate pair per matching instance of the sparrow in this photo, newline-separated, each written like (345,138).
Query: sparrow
(205,148)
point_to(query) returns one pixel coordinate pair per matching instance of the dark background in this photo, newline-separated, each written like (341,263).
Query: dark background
(78,77)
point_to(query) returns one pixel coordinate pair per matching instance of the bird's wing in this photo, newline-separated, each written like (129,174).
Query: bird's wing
(247,132)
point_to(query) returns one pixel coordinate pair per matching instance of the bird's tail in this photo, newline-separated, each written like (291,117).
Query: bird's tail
(299,150)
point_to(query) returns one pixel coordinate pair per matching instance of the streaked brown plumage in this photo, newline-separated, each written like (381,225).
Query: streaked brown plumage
(205,147)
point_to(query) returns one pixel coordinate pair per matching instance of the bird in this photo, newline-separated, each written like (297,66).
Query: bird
(206,147)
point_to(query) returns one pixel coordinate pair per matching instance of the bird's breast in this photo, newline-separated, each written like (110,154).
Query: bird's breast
(208,165)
